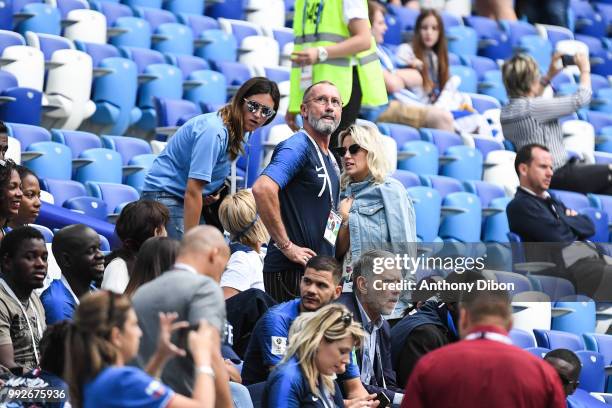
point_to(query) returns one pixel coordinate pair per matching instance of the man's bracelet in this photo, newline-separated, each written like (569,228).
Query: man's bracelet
(206,369)
(284,246)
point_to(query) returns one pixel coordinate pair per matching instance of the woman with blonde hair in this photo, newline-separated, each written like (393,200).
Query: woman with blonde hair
(244,270)
(316,352)
(375,209)
(104,337)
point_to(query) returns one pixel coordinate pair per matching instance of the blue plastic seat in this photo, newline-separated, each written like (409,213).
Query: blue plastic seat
(156,4)
(155,16)
(479,64)
(210,93)
(466,163)
(277,74)
(587,20)
(198,23)
(538,351)
(7,80)
(142,57)
(599,120)
(25,106)
(105,166)
(539,48)
(234,9)
(483,103)
(62,190)
(394,34)
(581,320)
(554,287)
(441,138)
(554,339)
(76,140)
(135,32)
(166,82)
(66,6)
(422,157)
(187,63)
(464,226)
(173,37)
(235,73)
(113,194)
(217,46)
(54,162)
(495,227)
(242,29)
(407,178)
(28,134)
(185,6)
(91,206)
(469,81)
(519,29)
(98,52)
(571,199)
(46,232)
(174,112)
(486,191)
(6,16)
(601,343)
(427,206)
(406,18)
(112,11)
(601,58)
(39,18)
(145,161)
(600,220)
(116,111)
(521,338)
(10,38)
(520,282)
(400,133)
(443,184)
(462,40)
(49,43)
(592,375)
(493,85)
(493,40)
(128,147)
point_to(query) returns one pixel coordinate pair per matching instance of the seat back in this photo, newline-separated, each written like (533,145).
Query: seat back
(28,134)
(145,161)
(581,320)
(522,338)
(427,205)
(105,166)
(177,39)
(112,193)
(91,206)
(499,169)
(554,339)
(174,112)
(55,161)
(28,66)
(592,375)
(407,178)
(127,147)
(535,311)
(77,141)
(466,164)
(168,83)
(62,190)
(218,46)
(600,220)
(422,159)
(553,286)
(42,18)
(212,93)
(26,108)
(259,50)
(137,33)
(495,227)
(87,25)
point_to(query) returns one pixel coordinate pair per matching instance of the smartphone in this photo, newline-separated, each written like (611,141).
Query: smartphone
(568,60)
(383,400)
(183,336)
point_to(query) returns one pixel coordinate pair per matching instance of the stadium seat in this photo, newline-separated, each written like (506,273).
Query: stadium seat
(144,162)
(52,160)
(142,57)
(571,199)
(554,339)
(25,63)
(579,136)
(77,141)
(601,343)
(46,232)
(234,9)
(184,6)
(581,320)
(66,6)
(112,12)
(556,288)
(463,163)
(483,103)
(38,18)
(554,34)
(270,13)
(235,73)
(155,16)
(155,4)
(276,74)
(462,40)
(209,90)
(98,52)
(600,220)
(493,40)
(495,226)
(113,194)
(174,112)
(427,206)
(198,23)
(115,111)
(521,338)
(492,85)
(131,32)
(86,25)
(406,19)
(463,225)
(68,90)
(91,206)
(534,311)
(48,43)
(441,138)
(165,82)
(592,375)
(499,169)
(538,351)
(186,63)
(127,147)
(14,150)
(21,105)
(587,20)
(469,81)
(173,37)
(217,46)
(520,282)
(407,178)
(259,50)
(105,166)
(28,134)
(443,184)
(62,190)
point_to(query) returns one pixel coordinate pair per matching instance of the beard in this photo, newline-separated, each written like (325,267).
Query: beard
(323,126)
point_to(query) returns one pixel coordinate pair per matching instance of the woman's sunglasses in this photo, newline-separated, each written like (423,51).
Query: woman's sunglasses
(254,107)
(346,319)
(352,149)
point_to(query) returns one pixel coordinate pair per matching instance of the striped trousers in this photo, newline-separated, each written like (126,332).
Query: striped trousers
(283,286)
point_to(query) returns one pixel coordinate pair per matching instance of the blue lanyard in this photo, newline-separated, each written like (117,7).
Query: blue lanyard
(451,323)
(304,16)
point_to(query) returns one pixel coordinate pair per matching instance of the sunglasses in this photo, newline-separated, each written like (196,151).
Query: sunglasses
(352,149)
(346,319)
(255,107)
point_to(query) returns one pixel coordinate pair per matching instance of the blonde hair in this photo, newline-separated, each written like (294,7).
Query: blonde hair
(370,139)
(307,333)
(519,74)
(238,215)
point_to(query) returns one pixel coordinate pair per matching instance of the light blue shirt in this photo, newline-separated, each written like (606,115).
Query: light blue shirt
(198,150)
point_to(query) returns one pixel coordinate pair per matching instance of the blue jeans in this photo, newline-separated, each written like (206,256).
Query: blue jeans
(240,396)
(175,206)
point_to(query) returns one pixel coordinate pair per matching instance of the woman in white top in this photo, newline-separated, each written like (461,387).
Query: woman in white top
(138,221)
(244,270)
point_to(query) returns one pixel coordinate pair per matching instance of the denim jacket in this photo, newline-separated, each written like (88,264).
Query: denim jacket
(381,217)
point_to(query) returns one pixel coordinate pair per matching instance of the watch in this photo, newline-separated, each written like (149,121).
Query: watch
(206,369)
(322,54)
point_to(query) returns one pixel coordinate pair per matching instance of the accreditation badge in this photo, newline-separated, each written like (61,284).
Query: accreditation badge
(305,77)
(333,226)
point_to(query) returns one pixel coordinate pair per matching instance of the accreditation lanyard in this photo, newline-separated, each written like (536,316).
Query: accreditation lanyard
(319,13)
(27,319)
(489,336)
(327,178)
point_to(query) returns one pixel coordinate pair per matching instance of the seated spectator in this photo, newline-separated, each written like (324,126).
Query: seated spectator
(319,286)
(568,366)
(30,200)
(3,140)
(389,221)
(238,215)
(530,118)
(496,9)
(305,376)
(49,376)
(432,325)
(137,222)
(537,217)
(484,369)
(156,256)
(191,289)
(368,303)
(104,338)
(403,107)
(10,194)
(23,256)
(76,249)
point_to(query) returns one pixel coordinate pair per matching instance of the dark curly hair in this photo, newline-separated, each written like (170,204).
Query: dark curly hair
(6,170)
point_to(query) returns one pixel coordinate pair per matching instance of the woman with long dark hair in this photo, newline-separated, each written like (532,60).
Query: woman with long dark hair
(10,194)
(105,336)
(190,173)
(155,257)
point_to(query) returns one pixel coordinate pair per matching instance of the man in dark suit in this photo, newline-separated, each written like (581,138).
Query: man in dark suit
(371,298)
(561,233)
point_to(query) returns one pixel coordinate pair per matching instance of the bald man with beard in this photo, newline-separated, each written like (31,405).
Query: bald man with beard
(191,289)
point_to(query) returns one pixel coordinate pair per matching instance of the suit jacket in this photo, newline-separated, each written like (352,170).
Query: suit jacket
(383,348)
